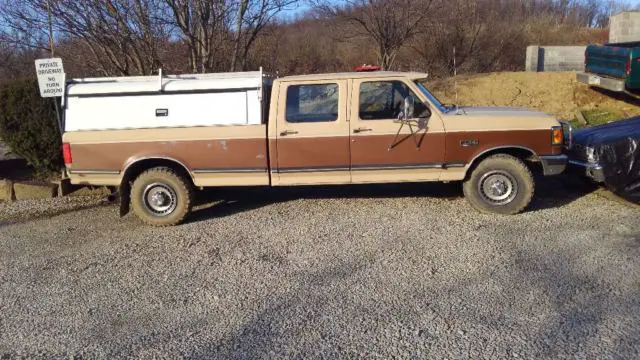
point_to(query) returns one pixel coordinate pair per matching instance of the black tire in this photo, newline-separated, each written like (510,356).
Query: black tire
(161,197)
(500,184)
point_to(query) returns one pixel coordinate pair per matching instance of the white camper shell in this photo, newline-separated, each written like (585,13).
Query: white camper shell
(147,102)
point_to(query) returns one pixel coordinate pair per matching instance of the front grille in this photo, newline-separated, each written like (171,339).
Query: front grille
(578,152)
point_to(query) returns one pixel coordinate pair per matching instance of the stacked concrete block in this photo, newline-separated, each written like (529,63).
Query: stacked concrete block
(555,58)
(625,27)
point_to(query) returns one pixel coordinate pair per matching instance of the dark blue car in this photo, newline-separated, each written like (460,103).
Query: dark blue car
(610,154)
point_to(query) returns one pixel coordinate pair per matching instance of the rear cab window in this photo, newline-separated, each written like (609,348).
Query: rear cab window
(312,103)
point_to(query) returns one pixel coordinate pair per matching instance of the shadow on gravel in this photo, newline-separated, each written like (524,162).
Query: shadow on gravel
(551,192)
(220,202)
(557,191)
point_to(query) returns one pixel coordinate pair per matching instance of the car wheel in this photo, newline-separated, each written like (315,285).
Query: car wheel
(500,184)
(161,197)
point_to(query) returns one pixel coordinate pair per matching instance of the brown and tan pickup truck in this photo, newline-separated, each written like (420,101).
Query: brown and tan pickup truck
(159,138)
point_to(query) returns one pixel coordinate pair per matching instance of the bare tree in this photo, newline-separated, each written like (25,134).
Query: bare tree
(203,27)
(122,36)
(460,30)
(251,17)
(389,23)
(221,31)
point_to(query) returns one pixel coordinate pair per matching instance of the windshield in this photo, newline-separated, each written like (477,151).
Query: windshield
(432,98)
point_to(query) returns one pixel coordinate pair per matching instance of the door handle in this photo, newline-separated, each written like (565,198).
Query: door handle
(288,132)
(359,130)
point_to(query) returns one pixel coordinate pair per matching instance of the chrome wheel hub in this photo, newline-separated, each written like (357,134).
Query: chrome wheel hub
(159,199)
(498,187)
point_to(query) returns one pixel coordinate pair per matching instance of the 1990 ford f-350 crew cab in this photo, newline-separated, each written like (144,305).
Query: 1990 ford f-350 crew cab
(159,138)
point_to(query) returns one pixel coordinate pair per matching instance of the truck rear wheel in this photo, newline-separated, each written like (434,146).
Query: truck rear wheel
(161,197)
(500,184)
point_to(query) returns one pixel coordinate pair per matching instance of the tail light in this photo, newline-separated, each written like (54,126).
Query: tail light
(629,67)
(66,154)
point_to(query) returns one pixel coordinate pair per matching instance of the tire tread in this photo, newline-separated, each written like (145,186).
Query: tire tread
(523,171)
(164,172)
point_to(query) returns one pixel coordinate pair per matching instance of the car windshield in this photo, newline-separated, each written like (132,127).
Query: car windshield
(434,100)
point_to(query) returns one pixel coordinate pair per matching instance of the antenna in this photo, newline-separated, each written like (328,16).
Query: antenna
(455,78)
(455,74)
(612,4)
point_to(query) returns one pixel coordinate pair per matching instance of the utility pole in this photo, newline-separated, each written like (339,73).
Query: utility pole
(50,24)
(52,53)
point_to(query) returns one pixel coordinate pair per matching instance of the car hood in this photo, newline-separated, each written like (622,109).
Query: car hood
(609,133)
(481,118)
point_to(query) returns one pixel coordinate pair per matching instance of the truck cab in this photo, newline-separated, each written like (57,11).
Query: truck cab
(249,129)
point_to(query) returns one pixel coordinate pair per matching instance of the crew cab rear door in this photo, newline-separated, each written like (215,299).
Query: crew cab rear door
(382,148)
(312,134)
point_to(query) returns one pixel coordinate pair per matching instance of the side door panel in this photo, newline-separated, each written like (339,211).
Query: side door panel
(377,155)
(313,149)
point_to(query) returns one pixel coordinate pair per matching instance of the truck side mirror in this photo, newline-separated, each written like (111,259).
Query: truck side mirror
(408,108)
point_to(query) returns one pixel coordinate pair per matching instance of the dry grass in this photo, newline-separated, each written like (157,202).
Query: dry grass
(556,93)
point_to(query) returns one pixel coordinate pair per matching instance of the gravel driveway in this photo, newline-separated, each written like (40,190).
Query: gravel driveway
(405,271)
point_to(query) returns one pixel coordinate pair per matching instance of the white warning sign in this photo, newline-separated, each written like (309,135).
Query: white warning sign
(51,77)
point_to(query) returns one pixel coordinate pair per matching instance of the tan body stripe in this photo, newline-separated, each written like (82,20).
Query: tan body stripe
(167,134)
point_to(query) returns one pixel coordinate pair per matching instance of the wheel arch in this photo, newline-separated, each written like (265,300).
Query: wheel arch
(523,153)
(135,167)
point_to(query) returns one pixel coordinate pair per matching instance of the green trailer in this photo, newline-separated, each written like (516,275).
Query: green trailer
(615,67)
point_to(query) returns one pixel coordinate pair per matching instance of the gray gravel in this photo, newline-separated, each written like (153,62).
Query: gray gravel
(12,212)
(375,272)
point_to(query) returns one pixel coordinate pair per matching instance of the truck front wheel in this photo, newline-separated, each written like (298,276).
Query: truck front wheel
(500,184)
(161,197)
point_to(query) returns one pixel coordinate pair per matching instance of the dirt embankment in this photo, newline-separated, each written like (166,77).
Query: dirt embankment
(556,93)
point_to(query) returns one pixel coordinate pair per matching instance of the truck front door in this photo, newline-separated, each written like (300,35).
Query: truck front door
(312,134)
(378,152)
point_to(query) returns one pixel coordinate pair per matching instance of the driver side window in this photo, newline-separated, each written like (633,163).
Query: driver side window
(383,100)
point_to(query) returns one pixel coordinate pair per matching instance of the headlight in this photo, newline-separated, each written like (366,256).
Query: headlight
(591,154)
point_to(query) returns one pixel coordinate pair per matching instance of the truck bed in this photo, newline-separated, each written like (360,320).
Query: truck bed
(615,63)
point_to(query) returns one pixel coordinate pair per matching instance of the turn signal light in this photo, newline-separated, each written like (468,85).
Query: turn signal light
(557,136)
(66,153)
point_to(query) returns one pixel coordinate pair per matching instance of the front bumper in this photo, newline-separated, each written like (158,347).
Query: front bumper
(553,164)
(591,170)
(601,81)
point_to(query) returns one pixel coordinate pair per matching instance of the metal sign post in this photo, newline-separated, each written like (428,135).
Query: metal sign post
(54,82)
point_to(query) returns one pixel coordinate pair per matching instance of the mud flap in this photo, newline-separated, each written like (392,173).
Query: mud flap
(125,198)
